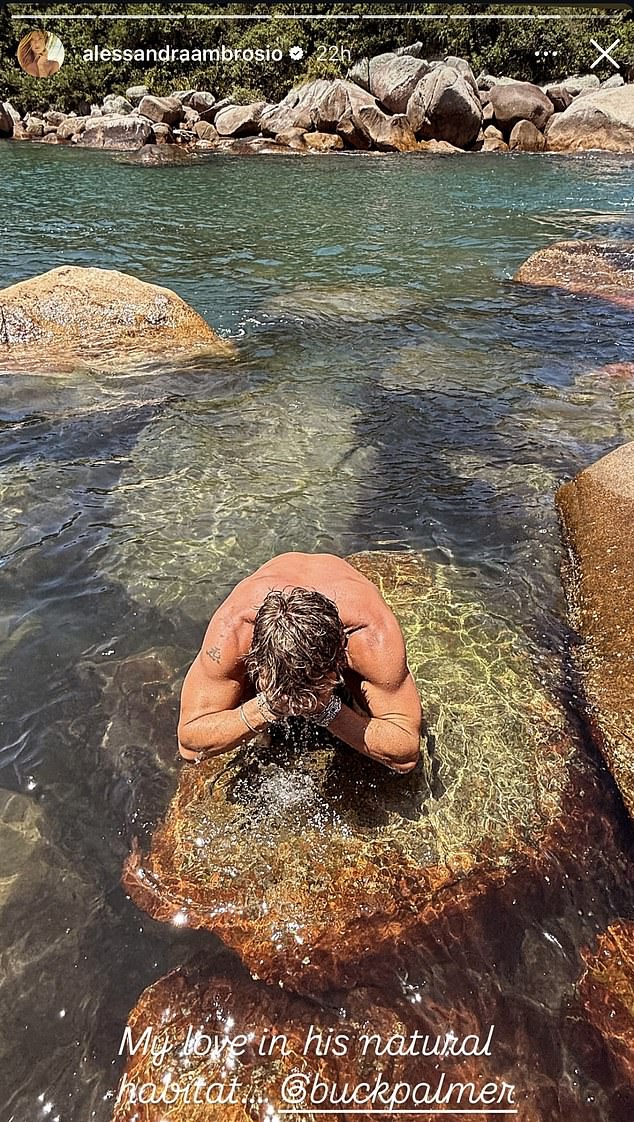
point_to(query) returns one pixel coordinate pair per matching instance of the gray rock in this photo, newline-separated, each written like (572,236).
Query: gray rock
(240,120)
(294,111)
(600,119)
(613,82)
(463,67)
(520,101)
(391,78)
(204,130)
(184,96)
(578,83)
(34,128)
(486,81)
(560,97)
(114,103)
(136,94)
(191,116)
(96,111)
(123,132)
(54,117)
(71,127)
(526,138)
(201,100)
(415,50)
(341,99)
(444,106)
(161,110)
(212,112)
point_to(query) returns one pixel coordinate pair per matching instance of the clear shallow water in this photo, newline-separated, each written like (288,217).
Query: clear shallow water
(392,386)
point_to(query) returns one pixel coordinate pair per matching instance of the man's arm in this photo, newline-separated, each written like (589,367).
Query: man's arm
(210,719)
(391,734)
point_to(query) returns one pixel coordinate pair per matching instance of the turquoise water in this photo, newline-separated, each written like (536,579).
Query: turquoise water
(392,388)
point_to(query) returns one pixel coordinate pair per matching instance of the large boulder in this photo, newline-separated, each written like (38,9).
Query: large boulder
(162,110)
(304,854)
(323,141)
(603,119)
(444,106)
(135,94)
(597,509)
(239,120)
(390,78)
(387,133)
(520,101)
(115,103)
(294,111)
(121,132)
(6,121)
(98,316)
(560,97)
(604,270)
(526,138)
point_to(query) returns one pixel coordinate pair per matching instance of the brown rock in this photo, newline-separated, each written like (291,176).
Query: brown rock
(323,141)
(603,119)
(201,100)
(100,316)
(494,144)
(601,269)
(520,101)
(388,134)
(6,122)
(292,138)
(526,138)
(303,855)
(204,130)
(252,1015)
(113,132)
(161,110)
(294,111)
(560,97)
(239,120)
(162,135)
(444,106)
(597,509)
(438,146)
(607,992)
(390,78)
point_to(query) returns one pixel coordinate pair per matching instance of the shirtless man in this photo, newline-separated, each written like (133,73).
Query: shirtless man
(280,644)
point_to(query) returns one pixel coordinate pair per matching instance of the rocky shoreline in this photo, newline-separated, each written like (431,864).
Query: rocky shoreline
(394,102)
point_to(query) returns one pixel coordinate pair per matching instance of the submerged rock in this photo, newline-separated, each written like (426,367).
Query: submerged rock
(101,316)
(600,269)
(305,855)
(607,993)
(291,1055)
(597,508)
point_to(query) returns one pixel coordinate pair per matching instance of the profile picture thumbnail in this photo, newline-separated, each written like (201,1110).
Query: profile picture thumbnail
(41,53)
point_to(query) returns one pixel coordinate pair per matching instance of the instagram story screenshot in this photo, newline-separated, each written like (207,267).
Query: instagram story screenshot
(316,562)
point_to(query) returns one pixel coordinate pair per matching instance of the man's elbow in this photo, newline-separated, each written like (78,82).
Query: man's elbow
(408,757)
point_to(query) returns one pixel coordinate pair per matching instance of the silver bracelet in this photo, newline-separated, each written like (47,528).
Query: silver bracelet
(326,715)
(242,714)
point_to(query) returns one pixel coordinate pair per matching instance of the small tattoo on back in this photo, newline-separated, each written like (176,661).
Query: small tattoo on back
(214,653)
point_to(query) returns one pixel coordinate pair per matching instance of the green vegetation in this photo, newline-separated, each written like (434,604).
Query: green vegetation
(495,46)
